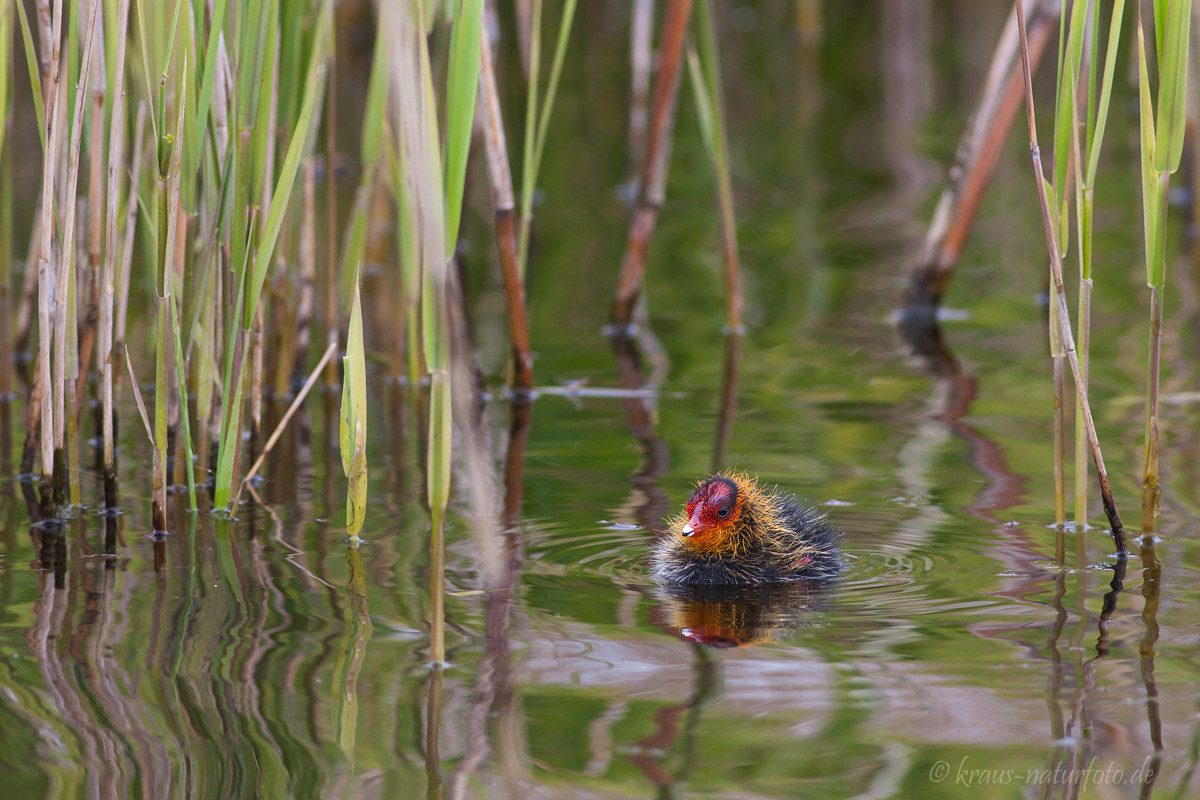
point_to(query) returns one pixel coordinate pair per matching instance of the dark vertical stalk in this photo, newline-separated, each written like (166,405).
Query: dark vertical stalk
(654,165)
(1060,297)
(506,232)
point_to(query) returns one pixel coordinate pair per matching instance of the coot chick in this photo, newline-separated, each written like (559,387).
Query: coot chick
(735,532)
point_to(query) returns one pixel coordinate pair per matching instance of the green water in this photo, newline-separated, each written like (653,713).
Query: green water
(954,658)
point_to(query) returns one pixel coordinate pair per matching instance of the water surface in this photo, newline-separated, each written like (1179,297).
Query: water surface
(968,650)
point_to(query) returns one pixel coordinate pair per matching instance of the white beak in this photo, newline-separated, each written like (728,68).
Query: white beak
(687,529)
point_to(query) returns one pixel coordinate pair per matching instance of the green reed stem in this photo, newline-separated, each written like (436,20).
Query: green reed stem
(706,80)
(535,135)
(189,446)
(1162,139)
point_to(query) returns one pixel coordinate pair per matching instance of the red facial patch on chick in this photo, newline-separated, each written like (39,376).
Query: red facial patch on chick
(711,507)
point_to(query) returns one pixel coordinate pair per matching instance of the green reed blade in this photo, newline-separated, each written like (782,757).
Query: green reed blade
(209,70)
(5,69)
(1068,84)
(291,165)
(1096,133)
(144,42)
(532,160)
(263,133)
(1151,219)
(353,423)
(462,86)
(1172,86)
(35,77)
(1161,14)
(375,108)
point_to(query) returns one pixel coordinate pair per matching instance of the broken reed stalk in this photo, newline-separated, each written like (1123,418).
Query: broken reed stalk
(654,166)
(506,236)
(287,416)
(1060,297)
(979,151)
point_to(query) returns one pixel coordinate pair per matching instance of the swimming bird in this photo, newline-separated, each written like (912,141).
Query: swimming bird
(733,531)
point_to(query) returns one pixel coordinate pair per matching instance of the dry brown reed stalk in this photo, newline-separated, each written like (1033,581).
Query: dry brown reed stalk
(979,150)
(116,155)
(1060,395)
(287,416)
(170,238)
(332,325)
(125,265)
(505,218)
(256,379)
(95,227)
(1060,296)
(308,267)
(6,351)
(654,165)
(526,19)
(66,349)
(51,37)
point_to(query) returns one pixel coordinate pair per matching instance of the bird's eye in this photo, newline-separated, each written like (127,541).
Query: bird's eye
(723,511)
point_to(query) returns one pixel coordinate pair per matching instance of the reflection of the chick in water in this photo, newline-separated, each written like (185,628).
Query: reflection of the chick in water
(739,616)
